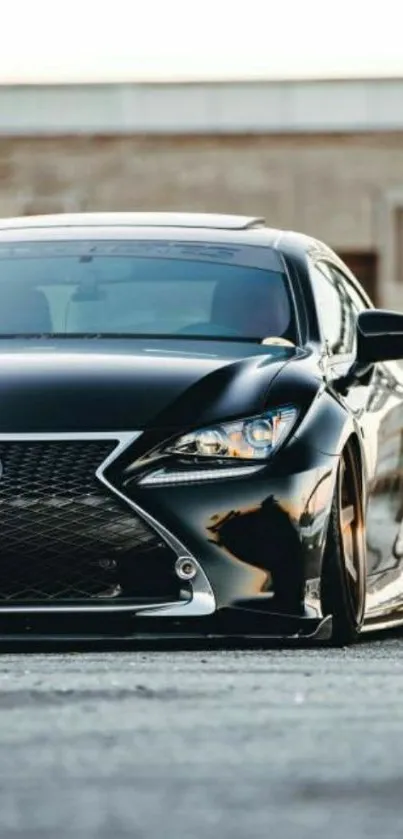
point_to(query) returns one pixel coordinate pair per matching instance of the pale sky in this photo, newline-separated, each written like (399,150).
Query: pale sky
(137,40)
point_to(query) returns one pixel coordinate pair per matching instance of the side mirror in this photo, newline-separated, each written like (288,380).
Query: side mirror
(379,337)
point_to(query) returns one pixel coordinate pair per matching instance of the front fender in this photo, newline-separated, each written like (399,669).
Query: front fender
(325,423)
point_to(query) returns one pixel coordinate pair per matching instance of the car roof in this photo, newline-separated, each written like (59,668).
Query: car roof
(214,227)
(209,226)
(186,221)
(211,221)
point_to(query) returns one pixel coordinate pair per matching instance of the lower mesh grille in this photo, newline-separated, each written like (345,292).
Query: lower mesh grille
(64,537)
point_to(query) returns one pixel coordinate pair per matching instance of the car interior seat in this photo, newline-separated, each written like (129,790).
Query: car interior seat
(24,310)
(252,308)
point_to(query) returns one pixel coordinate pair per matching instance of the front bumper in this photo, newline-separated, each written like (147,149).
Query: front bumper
(255,543)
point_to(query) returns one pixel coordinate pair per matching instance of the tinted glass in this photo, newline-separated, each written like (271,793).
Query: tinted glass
(357,302)
(353,304)
(143,288)
(335,309)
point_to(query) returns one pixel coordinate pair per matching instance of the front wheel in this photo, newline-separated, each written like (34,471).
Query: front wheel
(343,581)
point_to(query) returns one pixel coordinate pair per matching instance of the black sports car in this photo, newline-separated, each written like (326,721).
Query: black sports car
(200,432)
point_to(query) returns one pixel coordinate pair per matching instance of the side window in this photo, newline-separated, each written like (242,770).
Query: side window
(358,303)
(334,308)
(354,303)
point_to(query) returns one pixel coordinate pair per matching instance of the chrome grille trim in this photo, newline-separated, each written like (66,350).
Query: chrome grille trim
(202,601)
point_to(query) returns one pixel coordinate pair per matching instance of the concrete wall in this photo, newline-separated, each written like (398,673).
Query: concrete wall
(343,188)
(203,108)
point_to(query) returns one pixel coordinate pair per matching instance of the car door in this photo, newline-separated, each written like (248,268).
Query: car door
(338,310)
(377,403)
(385,508)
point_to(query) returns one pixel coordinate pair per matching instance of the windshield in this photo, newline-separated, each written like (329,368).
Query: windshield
(136,288)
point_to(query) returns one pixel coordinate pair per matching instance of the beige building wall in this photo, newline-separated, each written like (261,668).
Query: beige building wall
(346,189)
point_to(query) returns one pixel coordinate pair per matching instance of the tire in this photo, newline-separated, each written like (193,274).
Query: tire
(343,580)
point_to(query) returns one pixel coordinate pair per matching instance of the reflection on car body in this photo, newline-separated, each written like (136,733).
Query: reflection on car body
(201,432)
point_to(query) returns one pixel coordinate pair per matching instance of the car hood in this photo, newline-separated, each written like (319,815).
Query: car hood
(106,385)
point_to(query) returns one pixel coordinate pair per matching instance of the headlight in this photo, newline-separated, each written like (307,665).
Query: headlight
(251,439)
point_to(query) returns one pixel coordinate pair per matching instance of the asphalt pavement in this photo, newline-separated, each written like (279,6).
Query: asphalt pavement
(198,743)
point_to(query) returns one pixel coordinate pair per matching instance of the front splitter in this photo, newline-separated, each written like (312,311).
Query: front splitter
(311,631)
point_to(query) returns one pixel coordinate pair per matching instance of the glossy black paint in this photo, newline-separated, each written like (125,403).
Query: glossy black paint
(256,537)
(107,384)
(259,538)
(380,336)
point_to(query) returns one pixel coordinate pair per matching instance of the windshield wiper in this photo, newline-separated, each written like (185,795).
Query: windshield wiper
(41,335)
(130,335)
